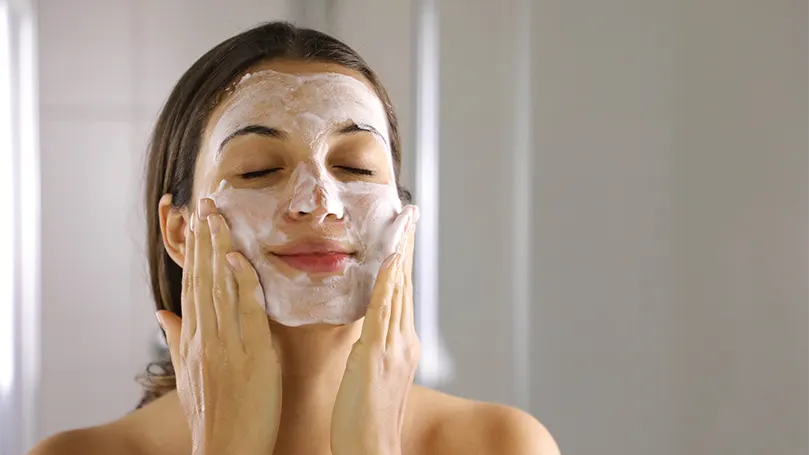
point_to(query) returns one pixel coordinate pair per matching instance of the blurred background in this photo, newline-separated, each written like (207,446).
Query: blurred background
(615,204)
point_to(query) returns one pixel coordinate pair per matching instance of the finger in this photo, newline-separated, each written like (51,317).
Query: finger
(399,228)
(405,221)
(203,272)
(408,323)
(172,326)
(225,293)
(396,304)
(187,308)
(396,299)
(377,317)
(255,327)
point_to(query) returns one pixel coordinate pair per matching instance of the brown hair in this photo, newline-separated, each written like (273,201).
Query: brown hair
(177,135)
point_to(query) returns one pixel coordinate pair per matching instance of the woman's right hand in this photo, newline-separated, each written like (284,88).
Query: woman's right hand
(228,371)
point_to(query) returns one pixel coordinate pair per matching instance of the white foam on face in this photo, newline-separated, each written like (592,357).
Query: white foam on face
(310,107)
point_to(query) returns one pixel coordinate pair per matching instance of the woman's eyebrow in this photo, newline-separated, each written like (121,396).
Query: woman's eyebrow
(353,128)
(254,129)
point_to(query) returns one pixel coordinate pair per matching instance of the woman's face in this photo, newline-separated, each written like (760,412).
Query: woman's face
(297,159)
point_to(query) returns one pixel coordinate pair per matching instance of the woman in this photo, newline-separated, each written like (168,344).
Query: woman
(281,257)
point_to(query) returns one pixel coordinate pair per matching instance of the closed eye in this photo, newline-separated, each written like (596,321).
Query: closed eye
(259,174)
(357,171)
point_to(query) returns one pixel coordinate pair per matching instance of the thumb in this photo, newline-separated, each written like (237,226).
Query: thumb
(171,324)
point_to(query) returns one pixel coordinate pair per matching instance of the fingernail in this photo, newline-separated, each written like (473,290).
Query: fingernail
(416,214)
(414,218)
(409,221)
(205,208)
(389,261)
(233,260)
(192,223)
(160,321)
(215,223)
(406,234)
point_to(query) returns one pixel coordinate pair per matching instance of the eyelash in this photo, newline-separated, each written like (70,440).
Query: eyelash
(259,174)
(265,172)
(357,171)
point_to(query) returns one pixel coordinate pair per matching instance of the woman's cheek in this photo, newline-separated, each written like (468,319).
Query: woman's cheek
(373,208)
(250,216)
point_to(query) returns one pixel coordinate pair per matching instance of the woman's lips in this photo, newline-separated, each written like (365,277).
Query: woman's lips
(328,262)
(314,256)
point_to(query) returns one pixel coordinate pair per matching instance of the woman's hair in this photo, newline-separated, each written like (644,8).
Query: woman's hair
(177,137)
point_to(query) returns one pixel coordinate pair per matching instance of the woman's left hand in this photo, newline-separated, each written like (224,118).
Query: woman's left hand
(370,406)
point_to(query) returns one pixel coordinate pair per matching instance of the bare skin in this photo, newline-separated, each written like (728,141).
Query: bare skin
(314,389)
(435,424)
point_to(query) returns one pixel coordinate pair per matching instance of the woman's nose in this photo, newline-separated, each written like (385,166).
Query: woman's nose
(313,206)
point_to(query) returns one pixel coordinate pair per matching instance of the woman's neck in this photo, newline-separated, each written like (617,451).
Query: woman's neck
(313,357)
(313,360)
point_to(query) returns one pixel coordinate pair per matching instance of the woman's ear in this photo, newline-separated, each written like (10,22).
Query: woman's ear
(173,225)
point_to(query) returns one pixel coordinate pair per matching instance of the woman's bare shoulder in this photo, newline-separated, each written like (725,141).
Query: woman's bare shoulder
(102,439)
(461,426)
(158,427)
(445,425)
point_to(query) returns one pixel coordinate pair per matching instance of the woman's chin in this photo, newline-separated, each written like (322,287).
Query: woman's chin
(318,323)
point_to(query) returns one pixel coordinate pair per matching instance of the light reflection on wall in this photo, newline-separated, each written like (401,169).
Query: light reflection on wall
(19,229)
(435,367)
(6,228)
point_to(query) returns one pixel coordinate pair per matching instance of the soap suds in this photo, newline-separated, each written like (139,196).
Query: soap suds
(371,218)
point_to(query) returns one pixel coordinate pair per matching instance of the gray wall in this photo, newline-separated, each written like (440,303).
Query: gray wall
(742,342)
(476,201)
(607,133)
(671,222)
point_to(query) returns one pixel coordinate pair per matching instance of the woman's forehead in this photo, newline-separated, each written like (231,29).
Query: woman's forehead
(331,92)
(309,106)
(287,71)
(304,67)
